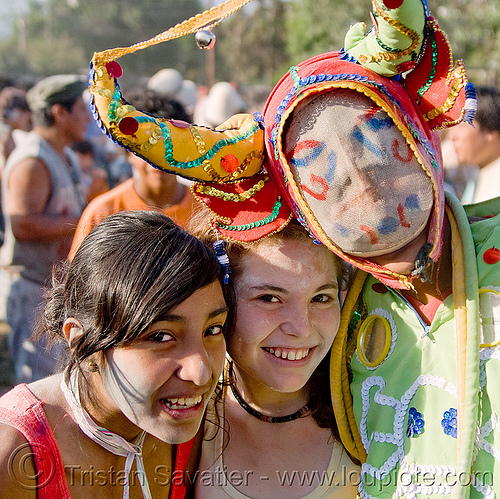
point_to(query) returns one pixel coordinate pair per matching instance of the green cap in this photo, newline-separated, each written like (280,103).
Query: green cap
(55,89)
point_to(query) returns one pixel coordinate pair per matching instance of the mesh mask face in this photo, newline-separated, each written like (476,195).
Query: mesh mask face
(356,172)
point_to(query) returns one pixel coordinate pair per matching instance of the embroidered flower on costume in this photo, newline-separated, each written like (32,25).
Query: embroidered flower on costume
(415,423)
(449,422)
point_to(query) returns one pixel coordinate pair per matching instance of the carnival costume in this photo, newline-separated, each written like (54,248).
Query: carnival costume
(419,412)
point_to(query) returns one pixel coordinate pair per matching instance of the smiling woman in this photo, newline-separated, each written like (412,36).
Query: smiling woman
(276,402)
(142,309)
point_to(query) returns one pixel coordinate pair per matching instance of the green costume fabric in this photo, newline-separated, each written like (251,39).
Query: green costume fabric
(405,400)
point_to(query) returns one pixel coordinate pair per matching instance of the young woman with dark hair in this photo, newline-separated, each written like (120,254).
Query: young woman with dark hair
(143,309)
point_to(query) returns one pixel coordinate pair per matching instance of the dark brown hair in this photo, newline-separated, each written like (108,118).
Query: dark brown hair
(156,104)
(129,271)
(488,108)
(12,98)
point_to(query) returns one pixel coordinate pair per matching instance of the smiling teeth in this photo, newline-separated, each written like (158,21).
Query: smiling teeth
(183,403)
(288,354)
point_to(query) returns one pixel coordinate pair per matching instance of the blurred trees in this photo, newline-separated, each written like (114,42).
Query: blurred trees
(255,45)
(61,35)
(317,26)
(251,46)
(473,27)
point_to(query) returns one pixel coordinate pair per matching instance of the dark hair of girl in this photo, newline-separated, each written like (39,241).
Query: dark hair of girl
(129,271)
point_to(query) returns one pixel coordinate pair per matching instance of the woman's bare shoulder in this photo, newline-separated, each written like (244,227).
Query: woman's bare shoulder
(47,389)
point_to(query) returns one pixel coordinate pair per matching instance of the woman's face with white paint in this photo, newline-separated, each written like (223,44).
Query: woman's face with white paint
(163,381)
(287,313)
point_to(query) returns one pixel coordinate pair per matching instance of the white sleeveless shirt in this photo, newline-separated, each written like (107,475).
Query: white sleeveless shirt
(213,481)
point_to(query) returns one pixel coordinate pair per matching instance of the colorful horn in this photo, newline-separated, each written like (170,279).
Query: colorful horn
(232,151)
(405,39)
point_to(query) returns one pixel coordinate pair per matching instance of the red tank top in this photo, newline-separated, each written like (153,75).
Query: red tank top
(22,410)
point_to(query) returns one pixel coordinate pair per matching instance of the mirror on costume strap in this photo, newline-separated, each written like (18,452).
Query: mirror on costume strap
(376,338)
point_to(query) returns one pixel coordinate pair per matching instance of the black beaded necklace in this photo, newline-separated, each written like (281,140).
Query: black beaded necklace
(256,414)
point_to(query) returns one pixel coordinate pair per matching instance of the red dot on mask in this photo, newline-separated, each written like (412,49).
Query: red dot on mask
(114,69)
(230,163)
(393,4)
(128,126)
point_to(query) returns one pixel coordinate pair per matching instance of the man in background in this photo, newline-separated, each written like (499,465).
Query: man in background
(15,118)
(479,147)
(43,198)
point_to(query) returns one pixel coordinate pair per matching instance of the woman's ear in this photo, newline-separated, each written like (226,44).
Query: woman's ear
(72,330)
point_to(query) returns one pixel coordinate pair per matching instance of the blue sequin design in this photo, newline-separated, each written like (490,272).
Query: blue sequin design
(416,423)
(449,422)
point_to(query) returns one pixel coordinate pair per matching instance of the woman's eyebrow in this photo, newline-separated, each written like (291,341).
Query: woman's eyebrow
(217,312)
(180,318)
(277,289)
(269,287)
(332,285)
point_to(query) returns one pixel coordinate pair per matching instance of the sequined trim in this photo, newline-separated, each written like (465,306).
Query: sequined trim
(259,223)
(432,73)
(230,196)
(452,95)
(116,111)
(397,438)
(393,55)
